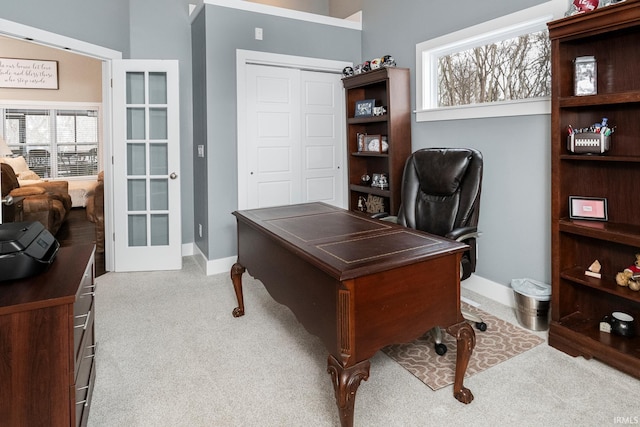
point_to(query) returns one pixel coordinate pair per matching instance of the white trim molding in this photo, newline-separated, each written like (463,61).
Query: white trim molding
(35,35)
(288,13)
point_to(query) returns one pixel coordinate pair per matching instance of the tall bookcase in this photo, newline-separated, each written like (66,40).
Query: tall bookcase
(388,87)
(579,302)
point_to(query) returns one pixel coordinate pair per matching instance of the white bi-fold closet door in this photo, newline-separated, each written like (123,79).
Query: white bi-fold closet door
(294,136)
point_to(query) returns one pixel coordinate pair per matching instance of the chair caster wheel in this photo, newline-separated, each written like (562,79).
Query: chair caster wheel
(481,326)
(441,349)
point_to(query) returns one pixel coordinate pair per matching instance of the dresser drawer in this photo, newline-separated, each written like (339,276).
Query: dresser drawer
(83,309)
(85,380)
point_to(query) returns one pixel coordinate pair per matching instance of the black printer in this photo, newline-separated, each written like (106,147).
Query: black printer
(26,249)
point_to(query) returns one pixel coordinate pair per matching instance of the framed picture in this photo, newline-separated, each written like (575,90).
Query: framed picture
(360,137)
(585,76)
(364,108)
(28,73)
(591,208)
(380,181)
(375,143)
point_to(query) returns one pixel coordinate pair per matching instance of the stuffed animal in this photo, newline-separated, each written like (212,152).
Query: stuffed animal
(630,276)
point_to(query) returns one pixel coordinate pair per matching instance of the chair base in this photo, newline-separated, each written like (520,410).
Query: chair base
(436,332)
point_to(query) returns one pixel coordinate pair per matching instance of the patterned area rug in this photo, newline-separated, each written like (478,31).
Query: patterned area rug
(501,341)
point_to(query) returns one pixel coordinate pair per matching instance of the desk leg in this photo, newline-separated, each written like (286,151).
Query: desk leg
(236,277)
(466,341)
(345,384)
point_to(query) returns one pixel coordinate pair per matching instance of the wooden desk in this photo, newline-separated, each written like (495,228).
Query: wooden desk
(357,283)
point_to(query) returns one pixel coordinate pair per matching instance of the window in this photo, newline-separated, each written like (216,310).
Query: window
(498,68)
(56,143)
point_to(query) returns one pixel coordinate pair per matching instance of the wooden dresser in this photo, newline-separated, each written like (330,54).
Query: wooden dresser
(47,343)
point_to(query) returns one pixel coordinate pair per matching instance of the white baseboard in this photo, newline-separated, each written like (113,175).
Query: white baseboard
(490,289)
(215,266)
(188,249)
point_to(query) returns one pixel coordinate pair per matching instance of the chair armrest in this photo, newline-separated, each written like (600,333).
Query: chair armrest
(463,233)
(37,203)
(51,186)
(27,191)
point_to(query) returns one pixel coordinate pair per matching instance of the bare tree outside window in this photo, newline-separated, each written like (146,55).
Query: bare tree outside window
(513,69)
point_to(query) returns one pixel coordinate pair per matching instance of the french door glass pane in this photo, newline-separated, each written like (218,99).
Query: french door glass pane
(157,123)
(158,159)
(157,88)
(135,123)
(135,88)
(137,230)
(159,197)
(136,159)
(136,194)
(159,230)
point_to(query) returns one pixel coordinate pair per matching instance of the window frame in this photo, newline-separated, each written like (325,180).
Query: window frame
(52,108)
(518,23)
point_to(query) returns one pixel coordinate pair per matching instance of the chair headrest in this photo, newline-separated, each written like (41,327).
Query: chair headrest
(441,171)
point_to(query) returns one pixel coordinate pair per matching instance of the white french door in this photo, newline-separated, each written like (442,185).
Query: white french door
(295,133)
(146,166)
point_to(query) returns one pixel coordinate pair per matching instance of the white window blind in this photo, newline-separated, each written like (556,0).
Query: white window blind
(56,143)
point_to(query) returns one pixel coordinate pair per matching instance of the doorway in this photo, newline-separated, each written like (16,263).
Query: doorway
(291,137)
(105,55)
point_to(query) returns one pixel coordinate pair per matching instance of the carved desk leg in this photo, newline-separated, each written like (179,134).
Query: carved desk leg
(466,341)
(236,277)
(345,384)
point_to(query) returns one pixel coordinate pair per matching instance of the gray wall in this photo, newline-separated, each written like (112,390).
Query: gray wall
(104,23)
(515,206)
(161,29)
(227,30)
(140,29)
(514,217)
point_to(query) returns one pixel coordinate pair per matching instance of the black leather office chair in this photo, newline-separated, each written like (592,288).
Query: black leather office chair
(441,195)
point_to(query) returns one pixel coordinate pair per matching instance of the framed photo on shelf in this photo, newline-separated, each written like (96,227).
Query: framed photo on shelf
(590,208)
(375,144)
(585,76)
(364,108)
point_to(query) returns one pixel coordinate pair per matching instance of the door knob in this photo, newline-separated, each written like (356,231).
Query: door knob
(173,175)
(7,200)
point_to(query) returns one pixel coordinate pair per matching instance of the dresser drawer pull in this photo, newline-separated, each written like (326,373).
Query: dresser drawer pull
(93,354)
(86,320)
(91,294)
(82,402)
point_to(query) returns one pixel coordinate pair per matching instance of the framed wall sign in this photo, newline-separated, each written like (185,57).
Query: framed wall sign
(364,108)
(18,73)
(591,208)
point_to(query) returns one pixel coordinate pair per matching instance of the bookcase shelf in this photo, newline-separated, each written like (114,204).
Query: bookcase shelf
(389,88)
(579,302)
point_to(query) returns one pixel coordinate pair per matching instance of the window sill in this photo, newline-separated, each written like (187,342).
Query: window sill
(528,107)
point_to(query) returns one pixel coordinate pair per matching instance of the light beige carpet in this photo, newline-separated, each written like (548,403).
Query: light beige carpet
(501,341)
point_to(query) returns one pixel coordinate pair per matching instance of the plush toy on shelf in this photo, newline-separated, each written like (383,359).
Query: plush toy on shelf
(630,276)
